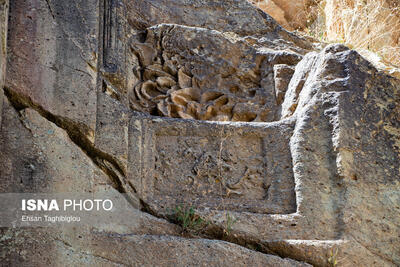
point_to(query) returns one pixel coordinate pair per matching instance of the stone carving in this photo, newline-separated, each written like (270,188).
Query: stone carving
(192,73)
(211,166)
(223,167)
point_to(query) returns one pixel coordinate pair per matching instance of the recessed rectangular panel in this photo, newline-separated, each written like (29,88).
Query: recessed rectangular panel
(237,167)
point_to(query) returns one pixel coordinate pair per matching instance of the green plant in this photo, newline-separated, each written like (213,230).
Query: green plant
(188,219)
(229,222)
(332,260)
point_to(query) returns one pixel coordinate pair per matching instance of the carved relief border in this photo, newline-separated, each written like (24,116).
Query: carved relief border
(166,172)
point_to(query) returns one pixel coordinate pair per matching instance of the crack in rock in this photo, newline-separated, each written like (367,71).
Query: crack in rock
(80,135)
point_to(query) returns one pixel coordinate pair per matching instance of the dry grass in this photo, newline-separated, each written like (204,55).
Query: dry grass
(370,26)
(361,24)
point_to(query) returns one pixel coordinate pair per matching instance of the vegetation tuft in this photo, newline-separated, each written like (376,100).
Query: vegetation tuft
(187,218)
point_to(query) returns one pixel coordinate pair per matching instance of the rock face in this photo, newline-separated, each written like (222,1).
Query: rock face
(3,49)
(104,249)
(278,153)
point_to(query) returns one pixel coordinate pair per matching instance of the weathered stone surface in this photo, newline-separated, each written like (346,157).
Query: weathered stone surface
(194,73)
(208,165)
(305,164)
(326,253)
(110,249)
(112,128)
(335,199)
(236,16)
(52,163)
(50,159)
(345,98)
(53,57)
(3,48)
(282,76)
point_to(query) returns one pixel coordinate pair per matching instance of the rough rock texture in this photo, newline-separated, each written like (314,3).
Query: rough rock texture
(3,48)
(289,155)
(105,249)
(193,73)
(53,57)
(221,166)
(345,97)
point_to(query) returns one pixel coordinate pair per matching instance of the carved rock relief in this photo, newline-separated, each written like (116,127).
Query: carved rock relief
(216,166)
(194,73)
